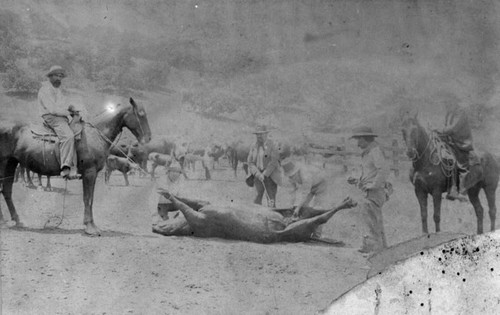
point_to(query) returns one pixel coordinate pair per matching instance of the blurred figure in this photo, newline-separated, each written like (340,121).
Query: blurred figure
(374,173)
(310,184)
(263,165)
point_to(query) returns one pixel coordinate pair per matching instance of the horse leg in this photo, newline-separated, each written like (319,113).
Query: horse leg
(40,186)
(473,194)
(89,179)
(490,197)
(28,178)
(8,181)
(422,201)
(49,186)
(436,202)
(126,178)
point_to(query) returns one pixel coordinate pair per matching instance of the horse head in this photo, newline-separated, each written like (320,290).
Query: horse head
(414,137)
(137,122)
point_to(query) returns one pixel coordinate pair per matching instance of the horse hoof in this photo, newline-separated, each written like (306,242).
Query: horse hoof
(92,231)
(19,224)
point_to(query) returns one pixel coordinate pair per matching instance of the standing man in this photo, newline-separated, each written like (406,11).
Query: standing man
(54,111)
(457,129)
(263,164)
(374,172)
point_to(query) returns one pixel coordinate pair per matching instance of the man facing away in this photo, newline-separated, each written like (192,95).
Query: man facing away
(263,164)
(458,129)
(374,173)
(54,111)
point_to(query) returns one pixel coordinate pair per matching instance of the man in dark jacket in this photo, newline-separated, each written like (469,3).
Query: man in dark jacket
(263,164)
(458,131)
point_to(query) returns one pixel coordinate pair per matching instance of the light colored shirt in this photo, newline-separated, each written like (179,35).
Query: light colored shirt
(51,100)
(309,179)
(374,168)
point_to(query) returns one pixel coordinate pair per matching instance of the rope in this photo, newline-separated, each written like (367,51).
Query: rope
(269,201)
(61,217)
(111,143)
(440,149)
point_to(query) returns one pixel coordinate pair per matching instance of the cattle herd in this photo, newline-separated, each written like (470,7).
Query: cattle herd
(133,157)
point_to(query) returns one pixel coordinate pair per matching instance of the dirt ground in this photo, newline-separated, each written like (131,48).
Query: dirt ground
(130,270)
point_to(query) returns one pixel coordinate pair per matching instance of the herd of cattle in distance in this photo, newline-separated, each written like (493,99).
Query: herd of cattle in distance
(130,158)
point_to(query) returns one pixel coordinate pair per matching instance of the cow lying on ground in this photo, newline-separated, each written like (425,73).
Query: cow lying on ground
(121,164)
(254,223)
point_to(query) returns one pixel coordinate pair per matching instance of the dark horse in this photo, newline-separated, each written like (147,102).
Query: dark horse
(430,177)
(18,146)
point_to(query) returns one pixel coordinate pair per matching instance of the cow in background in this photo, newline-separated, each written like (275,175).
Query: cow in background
(24,174)
(238,152)
(217,152)
(195,154)
(159,159)
(121,164)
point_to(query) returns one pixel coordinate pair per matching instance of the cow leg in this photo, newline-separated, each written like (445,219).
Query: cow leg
(89,179)
(153,167)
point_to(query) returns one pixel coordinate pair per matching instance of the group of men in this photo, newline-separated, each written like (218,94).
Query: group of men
(267,161)
(312,186)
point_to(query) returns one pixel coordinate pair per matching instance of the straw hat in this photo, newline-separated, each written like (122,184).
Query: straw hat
(363,131)
(289,167)
(261,130)
(56,70)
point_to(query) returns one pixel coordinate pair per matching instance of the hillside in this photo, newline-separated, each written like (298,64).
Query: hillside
(297,67)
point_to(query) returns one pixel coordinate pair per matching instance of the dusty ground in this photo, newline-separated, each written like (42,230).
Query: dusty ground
(130,270)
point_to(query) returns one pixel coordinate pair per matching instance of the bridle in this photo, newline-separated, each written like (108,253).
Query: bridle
(416,156)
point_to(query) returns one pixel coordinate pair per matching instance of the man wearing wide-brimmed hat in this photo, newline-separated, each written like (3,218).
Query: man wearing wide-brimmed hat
(374,173)
(54,111)
(263,165)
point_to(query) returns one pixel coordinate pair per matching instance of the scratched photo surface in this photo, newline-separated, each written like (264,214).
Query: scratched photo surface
(169,100)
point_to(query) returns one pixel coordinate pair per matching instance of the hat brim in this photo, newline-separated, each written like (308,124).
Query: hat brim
(56,72)
(260,132)
(361,135)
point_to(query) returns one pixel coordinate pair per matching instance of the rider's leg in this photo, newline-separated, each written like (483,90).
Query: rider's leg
(67,143)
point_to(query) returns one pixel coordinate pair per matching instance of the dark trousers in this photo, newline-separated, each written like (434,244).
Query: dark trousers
(270,187)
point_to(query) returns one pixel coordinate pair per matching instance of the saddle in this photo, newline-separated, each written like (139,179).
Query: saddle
(45,133)
(447,154)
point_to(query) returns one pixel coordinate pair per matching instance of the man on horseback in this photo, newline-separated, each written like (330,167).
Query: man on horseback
(459,136)
(54,112)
